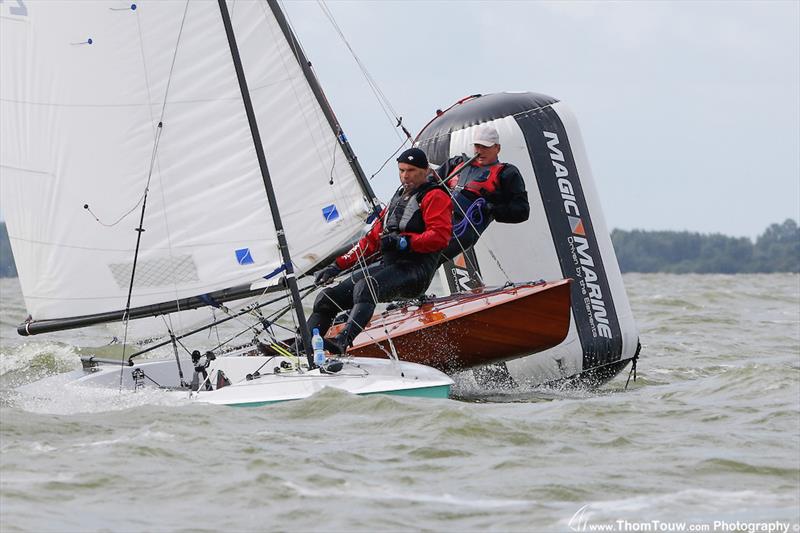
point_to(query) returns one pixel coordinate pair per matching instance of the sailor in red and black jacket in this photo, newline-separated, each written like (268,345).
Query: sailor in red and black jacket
(409,235)
(500,185)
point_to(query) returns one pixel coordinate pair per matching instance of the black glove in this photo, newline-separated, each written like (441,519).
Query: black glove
(326,274)
(394,242)
(488,209)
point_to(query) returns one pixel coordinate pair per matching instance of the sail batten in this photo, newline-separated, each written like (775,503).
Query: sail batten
(79,126)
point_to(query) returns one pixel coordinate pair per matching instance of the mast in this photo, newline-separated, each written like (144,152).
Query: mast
(316,88)
(262,163)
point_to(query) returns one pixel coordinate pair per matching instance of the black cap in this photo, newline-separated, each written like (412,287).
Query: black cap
(414,156)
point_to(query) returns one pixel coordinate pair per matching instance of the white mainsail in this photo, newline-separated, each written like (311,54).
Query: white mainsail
(83,88)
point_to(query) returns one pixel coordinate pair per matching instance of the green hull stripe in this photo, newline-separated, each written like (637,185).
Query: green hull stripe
(439,391)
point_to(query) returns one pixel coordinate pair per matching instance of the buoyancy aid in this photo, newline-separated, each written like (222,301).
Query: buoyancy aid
(480,181)
(472,183)
(404,215)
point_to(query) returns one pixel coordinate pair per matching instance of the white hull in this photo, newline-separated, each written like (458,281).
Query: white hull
(361,376)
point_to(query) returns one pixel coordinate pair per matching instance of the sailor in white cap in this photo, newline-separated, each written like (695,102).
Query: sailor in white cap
(483,190)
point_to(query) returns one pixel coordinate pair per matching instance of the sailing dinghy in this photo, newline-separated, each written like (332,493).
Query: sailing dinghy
(200,126)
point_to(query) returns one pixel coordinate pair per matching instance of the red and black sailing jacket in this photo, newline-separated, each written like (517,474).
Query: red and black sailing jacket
(500,184)
(480,181)
(424,216)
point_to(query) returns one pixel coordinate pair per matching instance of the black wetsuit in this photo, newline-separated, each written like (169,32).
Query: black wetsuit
(425,218)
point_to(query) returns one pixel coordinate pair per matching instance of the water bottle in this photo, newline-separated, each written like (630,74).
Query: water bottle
(318,345)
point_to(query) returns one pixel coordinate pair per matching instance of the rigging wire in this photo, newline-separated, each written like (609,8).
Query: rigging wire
(247,327)
(158,166)
(387,108)
(340,140)
(361,264)
(255,312)
(245,310)
(373,294)
(175,343)
(376,90)
(383,101)
(295,326)
(173,338)
(389,158)
(294,44)
(140,229)
(216,327)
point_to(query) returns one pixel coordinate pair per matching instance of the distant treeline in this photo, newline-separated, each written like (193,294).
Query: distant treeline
(776,250)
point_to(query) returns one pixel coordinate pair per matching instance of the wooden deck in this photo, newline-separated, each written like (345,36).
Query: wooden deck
(472,329)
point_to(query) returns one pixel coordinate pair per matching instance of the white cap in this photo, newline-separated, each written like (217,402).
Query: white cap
(485,135)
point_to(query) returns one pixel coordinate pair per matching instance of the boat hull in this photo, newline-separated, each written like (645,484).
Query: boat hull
(358,376)
(472,329)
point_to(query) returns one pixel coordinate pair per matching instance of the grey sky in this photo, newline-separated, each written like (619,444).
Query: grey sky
(690,111)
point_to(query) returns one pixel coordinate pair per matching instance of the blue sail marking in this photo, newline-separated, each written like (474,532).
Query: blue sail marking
(243,256)
(330,213)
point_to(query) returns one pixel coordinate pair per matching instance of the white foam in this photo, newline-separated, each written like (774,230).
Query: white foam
(55,395)
(34,447)
(50,356)
(146,436)
(697,503)
(36,478)
(382,493)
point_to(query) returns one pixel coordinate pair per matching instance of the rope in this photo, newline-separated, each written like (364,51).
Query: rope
(466,218)
(392,352)
(361,264)
(633,370)
(453,200)
(389,158)
(269,318)
(473,217)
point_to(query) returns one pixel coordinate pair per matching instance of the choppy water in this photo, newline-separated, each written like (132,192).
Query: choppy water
(709,432)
